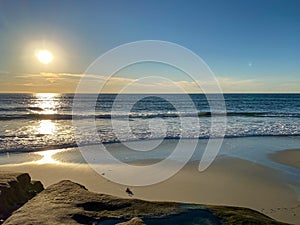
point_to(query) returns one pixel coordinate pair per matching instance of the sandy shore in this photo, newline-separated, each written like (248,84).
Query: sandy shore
(287,157)
(229,181)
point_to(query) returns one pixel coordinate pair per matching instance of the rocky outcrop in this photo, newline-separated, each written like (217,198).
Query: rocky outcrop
(15,190)
(70,203)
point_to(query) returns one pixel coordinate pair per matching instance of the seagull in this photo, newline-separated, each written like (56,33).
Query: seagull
(129,192)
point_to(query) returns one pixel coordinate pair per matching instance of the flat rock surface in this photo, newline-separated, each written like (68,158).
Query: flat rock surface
(71,203)
(133,221)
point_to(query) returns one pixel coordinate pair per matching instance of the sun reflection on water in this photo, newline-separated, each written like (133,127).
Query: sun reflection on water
(45,103)
(48,104)
(46,127)
(47,157)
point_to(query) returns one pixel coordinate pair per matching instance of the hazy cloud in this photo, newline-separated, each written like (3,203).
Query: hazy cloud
(67,83)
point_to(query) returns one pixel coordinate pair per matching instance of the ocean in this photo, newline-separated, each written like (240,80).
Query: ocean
(33,122)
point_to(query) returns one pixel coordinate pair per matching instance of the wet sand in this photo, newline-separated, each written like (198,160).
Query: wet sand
(287,157)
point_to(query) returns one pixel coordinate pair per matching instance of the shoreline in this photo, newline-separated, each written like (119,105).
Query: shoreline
(111,143)
(228,181)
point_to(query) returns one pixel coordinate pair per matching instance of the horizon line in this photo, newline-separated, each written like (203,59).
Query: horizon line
(115,93)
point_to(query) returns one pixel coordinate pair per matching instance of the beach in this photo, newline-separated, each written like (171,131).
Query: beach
(256,165)
(230,181)
(149,112)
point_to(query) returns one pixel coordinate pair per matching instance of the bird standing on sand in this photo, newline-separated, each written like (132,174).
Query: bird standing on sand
(129,192)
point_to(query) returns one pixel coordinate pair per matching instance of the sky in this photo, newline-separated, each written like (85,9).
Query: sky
(250,46)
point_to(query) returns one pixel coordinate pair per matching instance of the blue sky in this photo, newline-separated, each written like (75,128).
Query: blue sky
(251,46)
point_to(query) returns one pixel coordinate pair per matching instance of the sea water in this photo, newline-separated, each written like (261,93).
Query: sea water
(32,122)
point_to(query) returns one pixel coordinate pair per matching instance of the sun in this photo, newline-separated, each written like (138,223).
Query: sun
(44,56)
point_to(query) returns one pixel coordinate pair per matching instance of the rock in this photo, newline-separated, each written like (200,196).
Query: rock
(70,203)
(15,190)
(133,221)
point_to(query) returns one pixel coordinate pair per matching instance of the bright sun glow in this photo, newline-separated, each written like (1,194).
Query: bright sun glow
(44,56)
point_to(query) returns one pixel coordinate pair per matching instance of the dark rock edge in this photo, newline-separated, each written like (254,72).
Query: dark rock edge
(15,190)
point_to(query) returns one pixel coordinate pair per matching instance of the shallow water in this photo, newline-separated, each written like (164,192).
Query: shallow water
(255,149)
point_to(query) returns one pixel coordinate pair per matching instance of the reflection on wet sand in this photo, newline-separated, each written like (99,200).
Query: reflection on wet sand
(47,157)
